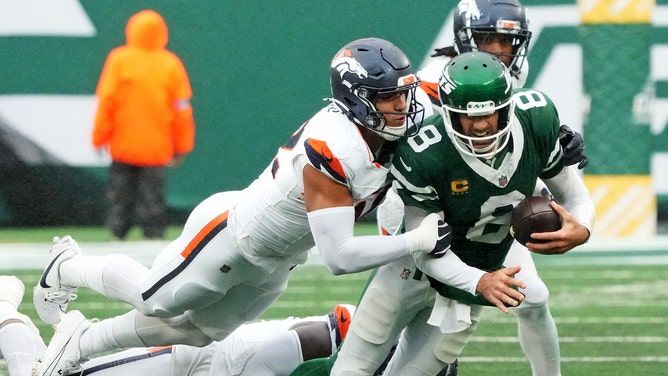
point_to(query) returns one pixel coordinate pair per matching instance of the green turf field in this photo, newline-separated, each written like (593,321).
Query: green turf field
(611,310)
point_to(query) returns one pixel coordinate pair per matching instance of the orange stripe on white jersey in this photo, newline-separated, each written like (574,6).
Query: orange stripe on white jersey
(194,247)
(203,233)
(321,156)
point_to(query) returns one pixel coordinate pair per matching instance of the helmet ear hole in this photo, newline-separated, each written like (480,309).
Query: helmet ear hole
(349,102)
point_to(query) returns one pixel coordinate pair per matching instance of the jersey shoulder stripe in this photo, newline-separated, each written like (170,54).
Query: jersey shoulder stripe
(321,157)
(540,123)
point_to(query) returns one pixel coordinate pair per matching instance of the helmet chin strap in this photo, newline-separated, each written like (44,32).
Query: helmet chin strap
(391,133)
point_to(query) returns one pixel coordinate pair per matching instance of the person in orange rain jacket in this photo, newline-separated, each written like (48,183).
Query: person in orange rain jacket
(145,120)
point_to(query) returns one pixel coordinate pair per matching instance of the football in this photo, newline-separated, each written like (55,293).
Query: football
(533,214)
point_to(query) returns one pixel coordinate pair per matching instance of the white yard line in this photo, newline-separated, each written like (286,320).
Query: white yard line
(596,252)
(626,339)
(569,359)
(498,319)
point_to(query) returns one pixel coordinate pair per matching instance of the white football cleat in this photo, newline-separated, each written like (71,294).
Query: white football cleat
(63,356)
(11,290)
(50,297)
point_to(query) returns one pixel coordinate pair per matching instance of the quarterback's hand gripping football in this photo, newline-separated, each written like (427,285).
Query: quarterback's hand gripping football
(432,236)
(573,147)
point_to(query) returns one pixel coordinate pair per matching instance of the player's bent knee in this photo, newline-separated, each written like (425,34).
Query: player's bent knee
(174,302)
(536,313)
(536,294)
(450,346)
(373,320)
(178,330)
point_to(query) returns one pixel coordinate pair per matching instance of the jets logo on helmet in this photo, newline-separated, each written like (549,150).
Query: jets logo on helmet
(480,108)
(445,84)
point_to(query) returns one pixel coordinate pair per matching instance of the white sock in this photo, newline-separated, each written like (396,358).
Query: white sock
(8,311)
(21,347)
(539,339)
(111,334)
(114,276)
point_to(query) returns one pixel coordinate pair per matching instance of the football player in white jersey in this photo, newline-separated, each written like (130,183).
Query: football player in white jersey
(269,347)
(501,27)
(237,249)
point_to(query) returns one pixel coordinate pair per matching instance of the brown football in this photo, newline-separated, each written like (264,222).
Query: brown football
(533,214)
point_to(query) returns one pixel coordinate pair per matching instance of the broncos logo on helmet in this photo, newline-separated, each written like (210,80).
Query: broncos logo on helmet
(468,9)
(347,64)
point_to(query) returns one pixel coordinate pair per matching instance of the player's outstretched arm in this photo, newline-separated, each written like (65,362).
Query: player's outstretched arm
(331,216)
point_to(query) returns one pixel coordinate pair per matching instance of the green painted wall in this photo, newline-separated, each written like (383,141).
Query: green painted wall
(258,70)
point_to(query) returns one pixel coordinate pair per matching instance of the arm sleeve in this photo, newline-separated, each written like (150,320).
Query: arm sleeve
(343,253)
(449,269)
(570,191)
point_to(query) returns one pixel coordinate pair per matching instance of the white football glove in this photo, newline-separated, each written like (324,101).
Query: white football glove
(432,236)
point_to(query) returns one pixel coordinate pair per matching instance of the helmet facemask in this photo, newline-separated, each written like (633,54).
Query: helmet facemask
(477,84)
(519,42)
(479,20)
(375,120)
(466,144)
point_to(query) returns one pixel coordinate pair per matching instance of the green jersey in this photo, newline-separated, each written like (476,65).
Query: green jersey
(477,196)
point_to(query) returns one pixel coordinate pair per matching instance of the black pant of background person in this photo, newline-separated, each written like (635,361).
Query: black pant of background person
(137,195)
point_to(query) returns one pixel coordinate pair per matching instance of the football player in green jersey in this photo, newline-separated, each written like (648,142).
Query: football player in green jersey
(472,164)
(501,27)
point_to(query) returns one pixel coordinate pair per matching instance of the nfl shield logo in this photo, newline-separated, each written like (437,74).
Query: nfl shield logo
(405,273)
(503,180)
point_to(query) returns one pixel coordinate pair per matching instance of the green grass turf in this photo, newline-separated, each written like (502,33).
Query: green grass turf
(612,319)
(81,234)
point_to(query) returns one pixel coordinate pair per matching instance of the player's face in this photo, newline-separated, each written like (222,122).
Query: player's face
(392,102)
(480,126)
(500,45)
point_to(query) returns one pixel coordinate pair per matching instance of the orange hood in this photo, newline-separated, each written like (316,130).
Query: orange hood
(147,30)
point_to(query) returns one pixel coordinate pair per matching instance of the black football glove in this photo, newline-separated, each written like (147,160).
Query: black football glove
(445,51)
(573,146)
(443,241)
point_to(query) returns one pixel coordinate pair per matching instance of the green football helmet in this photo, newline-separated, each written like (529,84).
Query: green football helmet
(476,84)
